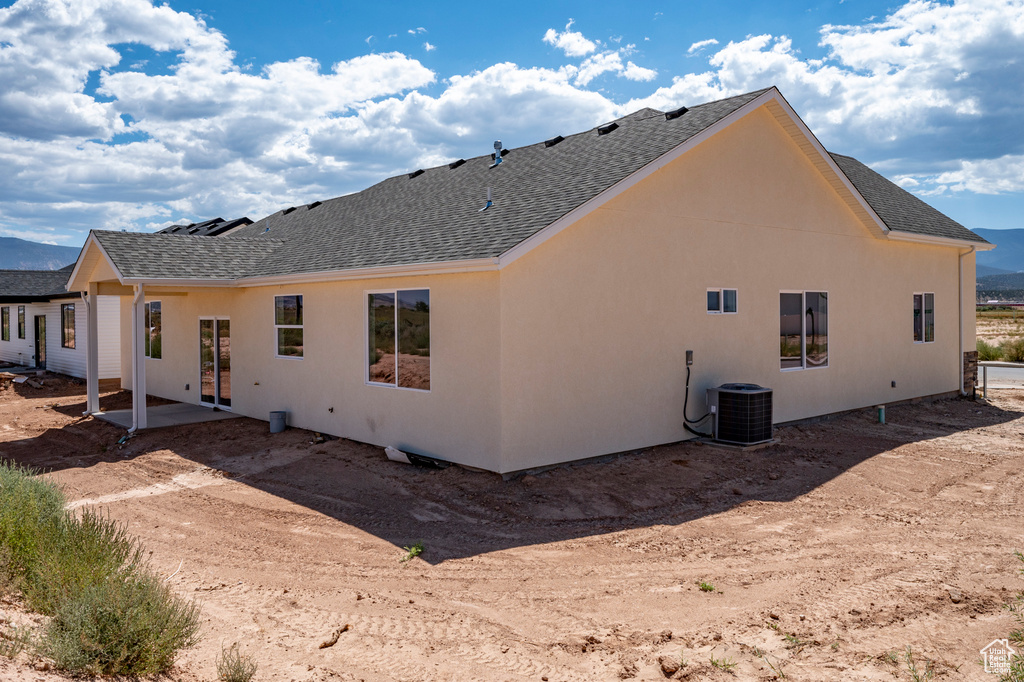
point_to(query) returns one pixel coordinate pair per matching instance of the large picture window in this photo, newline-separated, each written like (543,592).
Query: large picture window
(924,318)
(288,326)
(67,325)
(21,321)
(399,320)
(154,330)
(803,329)
(5,323)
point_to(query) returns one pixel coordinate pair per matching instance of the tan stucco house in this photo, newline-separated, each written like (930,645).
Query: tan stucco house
(538,310)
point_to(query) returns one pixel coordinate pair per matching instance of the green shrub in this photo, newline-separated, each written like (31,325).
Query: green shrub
(110,614)
(234,666)
(30,508)
(124,625)
(988,352)
(1013,350)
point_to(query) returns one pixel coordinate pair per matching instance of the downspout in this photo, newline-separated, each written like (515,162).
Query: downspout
(960,335)
(139,292)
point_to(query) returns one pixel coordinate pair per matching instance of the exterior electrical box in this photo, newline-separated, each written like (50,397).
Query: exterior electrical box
(741,414)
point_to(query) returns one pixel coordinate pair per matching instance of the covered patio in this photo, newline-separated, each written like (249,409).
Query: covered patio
(159,416)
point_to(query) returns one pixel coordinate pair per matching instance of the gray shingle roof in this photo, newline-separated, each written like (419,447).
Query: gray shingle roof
(34,285)
(171,256)
(434,216)
(899,209)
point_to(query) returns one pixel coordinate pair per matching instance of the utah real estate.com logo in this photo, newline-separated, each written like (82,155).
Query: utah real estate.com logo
(997,656)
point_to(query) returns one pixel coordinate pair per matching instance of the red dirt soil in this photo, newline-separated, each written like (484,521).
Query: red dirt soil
(854,538)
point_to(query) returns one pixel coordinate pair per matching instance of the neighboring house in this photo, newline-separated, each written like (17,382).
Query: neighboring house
(541,308)
(43,325)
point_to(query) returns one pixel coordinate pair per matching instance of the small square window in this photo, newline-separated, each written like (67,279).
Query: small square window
(722,301)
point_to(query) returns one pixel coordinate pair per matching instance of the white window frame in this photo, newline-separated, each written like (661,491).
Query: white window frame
(147,315)
(803,332)
(924,325)
(366,339)
(216,361)
(273,313)
(721,300)
(68,307)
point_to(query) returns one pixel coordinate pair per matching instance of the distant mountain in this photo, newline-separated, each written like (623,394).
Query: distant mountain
(985,271)
(19,254)
(1009,251)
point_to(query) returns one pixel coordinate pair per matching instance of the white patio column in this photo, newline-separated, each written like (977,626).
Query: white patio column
(92,351)
(139,358)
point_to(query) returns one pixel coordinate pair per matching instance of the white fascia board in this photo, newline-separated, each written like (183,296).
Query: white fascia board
(898,236)
(78,264)
(442,268)
(827,158)
(177,282)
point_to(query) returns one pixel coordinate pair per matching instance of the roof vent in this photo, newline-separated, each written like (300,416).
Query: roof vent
(553,141)
(288,210)
(497,155)
(193,230)
(313,205)
(607,128)
(489,202)
(675,113)
(455,164)
(416,173)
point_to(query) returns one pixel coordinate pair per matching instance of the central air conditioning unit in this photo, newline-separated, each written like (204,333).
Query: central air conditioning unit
(741,413)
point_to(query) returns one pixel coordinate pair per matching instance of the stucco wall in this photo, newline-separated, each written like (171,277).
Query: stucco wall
(596,321)
(458,419)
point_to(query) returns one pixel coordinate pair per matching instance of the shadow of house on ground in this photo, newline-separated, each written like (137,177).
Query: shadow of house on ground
(459,513)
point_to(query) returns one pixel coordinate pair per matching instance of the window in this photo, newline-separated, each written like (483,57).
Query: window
(399,319)
(5,323)
(924,318)
(288,326)
(21,321)
(721,300)
(154,331)
(67,325)
(803,329)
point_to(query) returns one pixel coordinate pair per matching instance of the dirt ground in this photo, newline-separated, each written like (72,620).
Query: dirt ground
(845,542)
(998,326)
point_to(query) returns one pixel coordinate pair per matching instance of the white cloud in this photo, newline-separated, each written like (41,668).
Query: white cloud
(428,47)
(208,137)
(700,45)
(929,82)
(611,62)
(571,42)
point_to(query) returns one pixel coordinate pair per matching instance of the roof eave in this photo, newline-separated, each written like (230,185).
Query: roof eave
(896,235)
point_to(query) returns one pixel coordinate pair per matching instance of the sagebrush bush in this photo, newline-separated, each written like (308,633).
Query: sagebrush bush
(1013,350)
(234,666)
(110,614)
(125,625)
(988,352)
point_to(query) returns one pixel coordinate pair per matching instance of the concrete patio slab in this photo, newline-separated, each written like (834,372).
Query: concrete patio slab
(175,414)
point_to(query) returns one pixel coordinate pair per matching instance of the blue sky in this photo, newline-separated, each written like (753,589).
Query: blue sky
(122,114)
